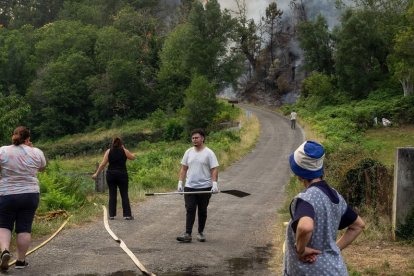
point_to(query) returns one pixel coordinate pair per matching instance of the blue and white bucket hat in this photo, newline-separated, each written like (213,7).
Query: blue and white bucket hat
(307,160)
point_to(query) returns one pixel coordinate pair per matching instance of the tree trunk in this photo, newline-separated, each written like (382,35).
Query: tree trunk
(407,85)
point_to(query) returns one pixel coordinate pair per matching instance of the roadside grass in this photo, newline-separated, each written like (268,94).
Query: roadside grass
(155,169)
(249,134)
(380,258)
(383,142)
(144,126)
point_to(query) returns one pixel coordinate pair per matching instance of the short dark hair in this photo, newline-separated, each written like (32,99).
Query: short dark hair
(199,131)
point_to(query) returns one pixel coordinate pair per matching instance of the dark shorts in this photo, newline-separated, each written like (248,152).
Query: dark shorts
(18,209)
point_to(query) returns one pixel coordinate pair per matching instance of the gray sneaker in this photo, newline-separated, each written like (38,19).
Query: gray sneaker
(201,237)
(184,238)
(4,260)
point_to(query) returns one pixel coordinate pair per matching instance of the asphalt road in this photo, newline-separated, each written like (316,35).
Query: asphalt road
(239,231)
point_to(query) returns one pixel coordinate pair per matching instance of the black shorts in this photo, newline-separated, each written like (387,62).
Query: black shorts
(19,209)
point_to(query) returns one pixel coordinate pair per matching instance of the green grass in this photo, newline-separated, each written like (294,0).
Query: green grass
(133,126)
(383,142)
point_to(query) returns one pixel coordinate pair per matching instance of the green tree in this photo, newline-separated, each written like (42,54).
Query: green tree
(210,32)
(198,47)
(112,44)
(59,96)
(16,59)
(200,104)
(16,13)
(136,22)
(316,41)
(84,12)
(318,90)
(63,37)
(96,12)
(142,24)
(402,59)
(272,20)
(174,75)
(249,40)
(120,93)
(361,53)
(120,89)
(13,110)
(364,41)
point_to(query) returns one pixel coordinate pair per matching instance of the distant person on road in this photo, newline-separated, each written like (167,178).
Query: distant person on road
(117,177)
(199,169)
(19,194)
(293,116)
(317,213)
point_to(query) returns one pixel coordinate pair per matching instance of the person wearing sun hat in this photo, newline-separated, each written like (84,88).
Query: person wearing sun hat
(317,213)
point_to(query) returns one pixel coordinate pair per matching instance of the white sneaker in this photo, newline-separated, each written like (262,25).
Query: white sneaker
(201,237)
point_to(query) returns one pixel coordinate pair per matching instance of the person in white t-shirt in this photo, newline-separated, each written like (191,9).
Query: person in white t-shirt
(199,168)
(19,194)
(293,115)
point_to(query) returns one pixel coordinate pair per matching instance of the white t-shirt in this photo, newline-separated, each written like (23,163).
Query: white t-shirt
(19,167)
(199,165)
(293,115)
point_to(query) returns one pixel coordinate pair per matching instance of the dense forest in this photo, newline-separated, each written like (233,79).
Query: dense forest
(69,66)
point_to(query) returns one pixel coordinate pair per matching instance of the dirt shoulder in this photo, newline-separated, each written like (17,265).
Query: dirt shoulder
(380,258)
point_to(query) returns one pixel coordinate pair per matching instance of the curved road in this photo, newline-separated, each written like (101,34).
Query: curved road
(239,231)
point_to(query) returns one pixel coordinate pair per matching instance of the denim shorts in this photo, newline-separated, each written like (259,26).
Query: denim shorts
(19,210)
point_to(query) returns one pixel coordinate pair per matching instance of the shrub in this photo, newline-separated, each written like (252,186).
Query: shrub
(158,118)
(369,183)
(222,136)
(200,104)
(173,130)
(406,230)
(60,191)
(403,110)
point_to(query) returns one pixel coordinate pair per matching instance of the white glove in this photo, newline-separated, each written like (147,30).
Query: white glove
(180,186)
(214,189)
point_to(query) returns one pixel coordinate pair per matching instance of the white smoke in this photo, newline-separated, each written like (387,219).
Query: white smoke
(257,8)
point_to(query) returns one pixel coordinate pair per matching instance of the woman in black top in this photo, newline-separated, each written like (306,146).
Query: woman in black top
(117,176)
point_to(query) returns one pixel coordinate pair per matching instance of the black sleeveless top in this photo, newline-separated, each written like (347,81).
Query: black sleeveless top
(117,160)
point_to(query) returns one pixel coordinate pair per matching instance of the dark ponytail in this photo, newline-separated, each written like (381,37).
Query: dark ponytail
(117,143)
(20,135)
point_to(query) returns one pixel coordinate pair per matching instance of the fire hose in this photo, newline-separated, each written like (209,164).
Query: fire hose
(123,245)
(45,242)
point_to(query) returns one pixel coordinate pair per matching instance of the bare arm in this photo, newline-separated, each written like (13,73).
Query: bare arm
(214,174)
(351,233)
(129,154)
(183,172)
(304,233)
(102,165)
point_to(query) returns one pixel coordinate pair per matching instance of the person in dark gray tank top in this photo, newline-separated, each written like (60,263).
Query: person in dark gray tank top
(117,176)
